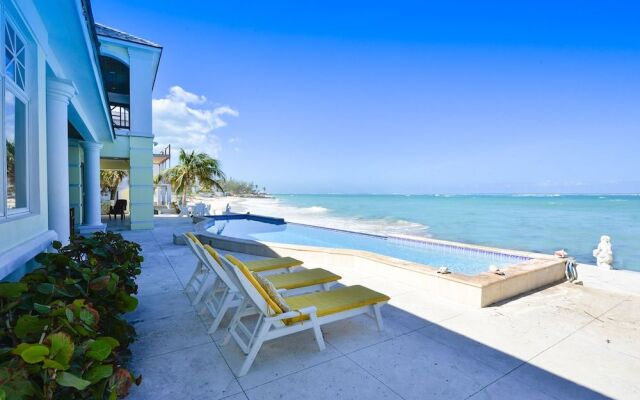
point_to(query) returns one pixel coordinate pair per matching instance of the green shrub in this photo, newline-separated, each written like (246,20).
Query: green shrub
(62,334)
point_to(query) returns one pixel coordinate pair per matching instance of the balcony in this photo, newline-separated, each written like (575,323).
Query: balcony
(161,157)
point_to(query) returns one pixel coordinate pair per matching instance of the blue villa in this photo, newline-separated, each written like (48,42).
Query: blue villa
(76,99)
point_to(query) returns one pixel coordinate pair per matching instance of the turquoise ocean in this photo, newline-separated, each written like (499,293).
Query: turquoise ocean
(539,223)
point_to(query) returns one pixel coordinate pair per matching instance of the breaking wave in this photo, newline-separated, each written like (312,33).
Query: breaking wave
(321,216)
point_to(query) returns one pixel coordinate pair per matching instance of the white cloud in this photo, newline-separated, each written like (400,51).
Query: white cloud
(185,120)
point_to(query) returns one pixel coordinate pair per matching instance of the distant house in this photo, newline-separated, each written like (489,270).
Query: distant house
(76,99)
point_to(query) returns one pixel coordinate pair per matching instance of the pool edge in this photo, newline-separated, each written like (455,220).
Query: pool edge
(481,290)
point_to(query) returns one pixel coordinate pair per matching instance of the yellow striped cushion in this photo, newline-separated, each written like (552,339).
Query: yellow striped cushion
(269,264)
(335,301)
(245,271)
(307,277)
(213,254)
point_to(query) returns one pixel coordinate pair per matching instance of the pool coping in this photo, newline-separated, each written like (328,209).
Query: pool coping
(482,289)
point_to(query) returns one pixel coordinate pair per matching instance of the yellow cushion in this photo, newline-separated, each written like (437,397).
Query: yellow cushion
(269,264)
(245,271)
(335,301)
(307,277)
(193,237)
(272,292)
(213,254)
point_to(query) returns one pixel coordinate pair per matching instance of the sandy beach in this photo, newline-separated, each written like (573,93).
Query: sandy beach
(219,204)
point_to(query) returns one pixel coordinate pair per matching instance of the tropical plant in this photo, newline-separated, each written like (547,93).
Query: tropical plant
(238,187)
(62,335)
(110,180)
(193,168)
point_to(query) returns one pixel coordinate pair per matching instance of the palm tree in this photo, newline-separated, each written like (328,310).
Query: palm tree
(193,168)
(110,180)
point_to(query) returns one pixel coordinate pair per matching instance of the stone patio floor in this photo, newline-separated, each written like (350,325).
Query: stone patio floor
(563,342)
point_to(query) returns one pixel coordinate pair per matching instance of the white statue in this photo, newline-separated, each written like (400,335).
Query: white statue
(604,253)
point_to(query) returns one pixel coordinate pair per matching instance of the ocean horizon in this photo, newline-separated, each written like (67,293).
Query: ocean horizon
(538,222)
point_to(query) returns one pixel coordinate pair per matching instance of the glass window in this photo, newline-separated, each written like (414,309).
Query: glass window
(14,173)
(120,116)
(15,130)
(14,57)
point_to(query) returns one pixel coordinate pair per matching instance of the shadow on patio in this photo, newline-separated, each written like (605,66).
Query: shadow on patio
(116,224)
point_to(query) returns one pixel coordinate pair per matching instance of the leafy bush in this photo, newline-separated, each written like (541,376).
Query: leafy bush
(62,334)
(237,187)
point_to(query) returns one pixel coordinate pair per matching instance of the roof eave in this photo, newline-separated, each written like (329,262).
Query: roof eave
(155,49)
(85,7)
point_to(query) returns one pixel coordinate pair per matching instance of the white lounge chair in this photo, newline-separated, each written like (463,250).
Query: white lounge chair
(308,311)
(222,294)
(201,272)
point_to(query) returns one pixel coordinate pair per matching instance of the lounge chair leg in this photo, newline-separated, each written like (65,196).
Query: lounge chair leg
(318,334)
(255,348)
(248,361)
(376,311)
(204,288)
(223,310)
(234,321)
(196,272)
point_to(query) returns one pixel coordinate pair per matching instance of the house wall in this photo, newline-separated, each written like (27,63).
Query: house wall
(117,149)
(141,182)
(23,236)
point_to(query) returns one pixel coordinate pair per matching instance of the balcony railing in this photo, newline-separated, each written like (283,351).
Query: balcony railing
(120,115)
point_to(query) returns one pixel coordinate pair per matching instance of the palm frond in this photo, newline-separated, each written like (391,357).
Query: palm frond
(194,168)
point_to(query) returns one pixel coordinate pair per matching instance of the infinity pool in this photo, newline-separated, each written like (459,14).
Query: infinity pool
(457,259)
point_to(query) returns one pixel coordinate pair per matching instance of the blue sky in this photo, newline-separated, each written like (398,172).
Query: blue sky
(400,97)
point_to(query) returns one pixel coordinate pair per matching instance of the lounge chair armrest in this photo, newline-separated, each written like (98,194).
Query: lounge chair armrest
(295,313)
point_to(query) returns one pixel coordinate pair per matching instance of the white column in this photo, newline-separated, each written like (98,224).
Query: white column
(91,184)
(59,92)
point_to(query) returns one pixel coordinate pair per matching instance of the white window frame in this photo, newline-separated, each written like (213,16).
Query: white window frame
(21,94)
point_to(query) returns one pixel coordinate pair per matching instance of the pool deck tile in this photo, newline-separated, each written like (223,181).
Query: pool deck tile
(562,342)
(417,367)
(340,378)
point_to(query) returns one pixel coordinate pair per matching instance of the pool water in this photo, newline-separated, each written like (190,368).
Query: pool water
(457,259)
